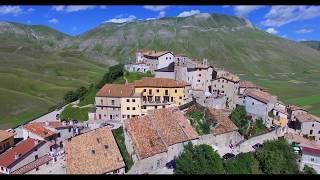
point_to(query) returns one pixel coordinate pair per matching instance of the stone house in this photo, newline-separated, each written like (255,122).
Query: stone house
(294,110)
(166,72)
(157,138)
(137,67)
(155,59)
(310,157)
(6,140)
(223,132)
(226,84)
(280,114)
(94,152)
(25,152)
(308,125)
(258,104)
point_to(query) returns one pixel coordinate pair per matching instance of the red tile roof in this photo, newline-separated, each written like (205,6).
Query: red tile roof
(306,118)
(247,84)
(224,123)
(295,108)
(159,82)
(33,165)
(116,90)
(8,158)
(259,95)
(55,124)
(312,151)
(153,53)
(153,133)
(38,129)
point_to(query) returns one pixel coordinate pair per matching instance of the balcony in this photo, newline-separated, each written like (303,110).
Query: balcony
(152,103)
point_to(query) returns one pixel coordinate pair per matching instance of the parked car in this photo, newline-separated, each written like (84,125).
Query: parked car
(57,116)
(257,146)
(11,130)
(106,125)
(171,164)
(228,156)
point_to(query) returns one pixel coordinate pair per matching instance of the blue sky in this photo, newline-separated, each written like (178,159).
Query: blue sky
(292,22)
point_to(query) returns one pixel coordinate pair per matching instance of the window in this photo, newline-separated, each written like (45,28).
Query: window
(144,90)
(166,92)
(93,151)
(128,100)
(311,131)
(36,157)
(171,99)
(128,108)
(106,146)
(199,75)
(222,86)
(113,108)
(165,107)
(123,116)
(158,90)
(68,130)
(215,85)
(1,168)
(312,125)
(101,101)
(133,108)
(252,103)
(218,80)
(198,80)
(312,159)
(128,116)
(99,116)
(156,107)
(101,108)
(133,100)
(150,91)
(318,132)
(180,97)
(112,102)
(175,91)
(37,169)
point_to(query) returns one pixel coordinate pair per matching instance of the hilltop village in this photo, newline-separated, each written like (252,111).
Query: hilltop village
(141,127)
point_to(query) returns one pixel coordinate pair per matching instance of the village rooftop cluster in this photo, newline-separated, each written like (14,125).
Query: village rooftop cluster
(152,113)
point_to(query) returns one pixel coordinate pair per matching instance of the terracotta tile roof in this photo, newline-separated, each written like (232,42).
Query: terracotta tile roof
(22,148)
(259,95)
(295,108)
(33,165)
(158,82)
(94,152)
(312,151)
(5,135)
(224,123)
(247,84)
(306,117)
(300,139)
(154,54)
(229,76)
(55,124)
(116,90)
(38,129)
(153,133)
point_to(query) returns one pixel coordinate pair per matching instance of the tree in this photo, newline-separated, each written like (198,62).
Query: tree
(244,163)
(113,73)
(308,170)
(277,157)
(70,96)
(80,92)
(199,160)
(239,117)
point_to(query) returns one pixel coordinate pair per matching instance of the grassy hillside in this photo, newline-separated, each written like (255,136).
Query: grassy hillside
(39,64)
(312,44)
(33,78)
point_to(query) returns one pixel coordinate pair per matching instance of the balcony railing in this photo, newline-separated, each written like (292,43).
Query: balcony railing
(155,103)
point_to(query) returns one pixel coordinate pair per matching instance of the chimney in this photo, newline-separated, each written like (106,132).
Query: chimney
(109,91)
(16,156)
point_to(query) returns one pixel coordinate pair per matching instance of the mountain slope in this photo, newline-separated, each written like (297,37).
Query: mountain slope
(36,71)
(39,64)
(312,44)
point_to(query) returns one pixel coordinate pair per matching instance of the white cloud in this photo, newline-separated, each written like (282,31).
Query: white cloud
(162,14)
(304,31)
(302,39)
(58,8)
(284,36)
(245,10)
(188,13)
(148,19)
(103,7)
(54,21)
(14,10)
(281,15)
(272,31)
(155,8)
(30,10)
(72,8)
(122,20)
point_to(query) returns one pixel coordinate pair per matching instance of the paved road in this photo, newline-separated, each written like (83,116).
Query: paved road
(50,116)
